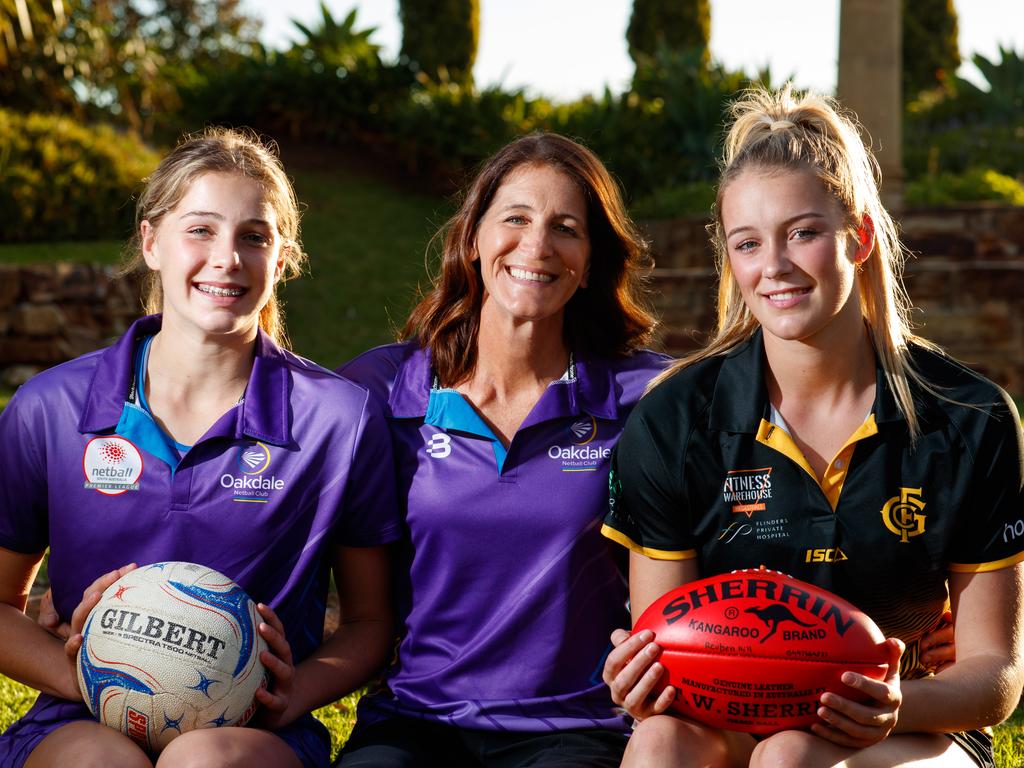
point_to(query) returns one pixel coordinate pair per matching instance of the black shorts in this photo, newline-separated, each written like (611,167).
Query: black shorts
(409,743)
(978,745)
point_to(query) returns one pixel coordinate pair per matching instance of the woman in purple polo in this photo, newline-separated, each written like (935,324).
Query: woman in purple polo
(504,402)
(198,437)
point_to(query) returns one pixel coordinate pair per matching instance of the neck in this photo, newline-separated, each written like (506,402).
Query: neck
(514,357)
(802,372)
(185,366)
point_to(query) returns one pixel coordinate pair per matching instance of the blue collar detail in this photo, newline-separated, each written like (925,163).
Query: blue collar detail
(449,410)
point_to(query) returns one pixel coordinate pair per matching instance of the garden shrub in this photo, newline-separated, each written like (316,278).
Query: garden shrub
(440,37)
(693,199)
(63,181)
(975,185)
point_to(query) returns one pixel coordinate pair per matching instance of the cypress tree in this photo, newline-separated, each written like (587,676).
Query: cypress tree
(930,51)
(441,34)
(679,25)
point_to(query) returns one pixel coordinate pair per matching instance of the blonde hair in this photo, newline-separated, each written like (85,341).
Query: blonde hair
(783,130)
(219,150)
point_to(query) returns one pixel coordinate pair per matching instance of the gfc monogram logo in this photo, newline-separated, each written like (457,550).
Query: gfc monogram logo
(439,446)
(902,514)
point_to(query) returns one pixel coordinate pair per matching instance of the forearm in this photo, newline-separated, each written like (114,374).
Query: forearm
(32,656)
(972,693)
(356,651)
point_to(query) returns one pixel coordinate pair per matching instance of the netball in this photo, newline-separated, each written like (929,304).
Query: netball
(169,648)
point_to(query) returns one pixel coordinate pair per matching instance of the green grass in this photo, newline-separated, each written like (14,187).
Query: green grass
(98,251)
(366,243)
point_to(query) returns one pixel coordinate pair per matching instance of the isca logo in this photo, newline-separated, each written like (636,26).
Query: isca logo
(112,465)
(902,514)
(439,446)
(254,458)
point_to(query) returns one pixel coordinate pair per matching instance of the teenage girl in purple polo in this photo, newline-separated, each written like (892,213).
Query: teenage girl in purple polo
(200,439)
(520,367)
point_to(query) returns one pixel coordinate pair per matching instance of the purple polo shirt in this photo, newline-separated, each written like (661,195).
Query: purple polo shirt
(300,465)
(511,592)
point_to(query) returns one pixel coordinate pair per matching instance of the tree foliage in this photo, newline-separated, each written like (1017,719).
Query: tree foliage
(931,54)
(439,37)
(678,25)
(117,58)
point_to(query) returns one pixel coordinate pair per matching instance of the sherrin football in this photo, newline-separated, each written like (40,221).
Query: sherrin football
(171,647)
(753,650)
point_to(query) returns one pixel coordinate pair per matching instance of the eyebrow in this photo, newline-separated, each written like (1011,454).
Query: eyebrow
(220,217)
(526,207)
(787,222)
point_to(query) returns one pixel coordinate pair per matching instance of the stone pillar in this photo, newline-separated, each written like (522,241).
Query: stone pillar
(870,82)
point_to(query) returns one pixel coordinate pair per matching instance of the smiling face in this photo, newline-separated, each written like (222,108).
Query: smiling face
(533,246)
(219,255)
(792,256)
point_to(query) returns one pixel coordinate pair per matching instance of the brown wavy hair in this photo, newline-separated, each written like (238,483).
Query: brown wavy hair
(609,318)
(219,150)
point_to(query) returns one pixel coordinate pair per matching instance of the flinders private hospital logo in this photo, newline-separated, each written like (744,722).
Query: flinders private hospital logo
(580,455)
(112,465)
(252,483)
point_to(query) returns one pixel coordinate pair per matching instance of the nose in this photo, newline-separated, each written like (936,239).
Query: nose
(536,242)
(776,261)
(224,255)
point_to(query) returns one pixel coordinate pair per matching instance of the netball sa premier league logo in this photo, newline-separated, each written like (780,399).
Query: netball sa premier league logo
(112,465)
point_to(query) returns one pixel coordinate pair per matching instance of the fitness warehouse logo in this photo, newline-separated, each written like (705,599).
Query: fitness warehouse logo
(112,465)
(747,490)
(252,484)
(581,455)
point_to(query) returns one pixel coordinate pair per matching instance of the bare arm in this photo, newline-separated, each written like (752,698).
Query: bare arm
(984,685)
(631,670)
(363,639)
(28,653)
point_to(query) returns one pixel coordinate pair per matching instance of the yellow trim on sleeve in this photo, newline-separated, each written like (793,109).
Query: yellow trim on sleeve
(655,554)
(998,565)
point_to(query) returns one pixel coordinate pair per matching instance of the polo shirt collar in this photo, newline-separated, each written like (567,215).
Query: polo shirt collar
(264,413)
(740,398)
(591,390)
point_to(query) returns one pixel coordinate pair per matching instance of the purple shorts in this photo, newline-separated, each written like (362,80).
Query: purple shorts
(306,736)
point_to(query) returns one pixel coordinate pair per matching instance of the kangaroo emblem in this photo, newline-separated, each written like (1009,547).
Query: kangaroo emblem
(773,615)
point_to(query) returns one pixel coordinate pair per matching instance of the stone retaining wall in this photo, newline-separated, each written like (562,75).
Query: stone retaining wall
(967,283)
(50,313)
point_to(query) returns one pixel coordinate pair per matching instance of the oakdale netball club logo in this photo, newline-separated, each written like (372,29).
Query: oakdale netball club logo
(112,465)
(580,455)
(252,483)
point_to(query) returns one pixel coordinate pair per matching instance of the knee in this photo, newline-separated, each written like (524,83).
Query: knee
(87,744)
(198,749)
(667,740)
(786,748)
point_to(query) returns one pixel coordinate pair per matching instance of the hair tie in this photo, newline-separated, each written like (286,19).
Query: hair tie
(778,125)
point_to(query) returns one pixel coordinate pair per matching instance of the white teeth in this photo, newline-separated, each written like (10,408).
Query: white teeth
(785,296)
(214,290)
(522,274)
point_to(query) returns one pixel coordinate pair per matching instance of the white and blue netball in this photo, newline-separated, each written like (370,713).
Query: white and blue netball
(169,648)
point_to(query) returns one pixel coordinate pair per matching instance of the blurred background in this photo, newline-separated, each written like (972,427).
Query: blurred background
(382,108)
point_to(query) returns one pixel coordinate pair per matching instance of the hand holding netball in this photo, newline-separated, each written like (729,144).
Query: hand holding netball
(177,646)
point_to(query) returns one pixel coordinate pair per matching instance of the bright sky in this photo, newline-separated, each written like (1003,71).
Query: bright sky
(567,48)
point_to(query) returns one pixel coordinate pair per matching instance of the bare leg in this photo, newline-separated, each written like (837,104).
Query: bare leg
(228,748)
(921,750)
(672,741)
(87,744)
